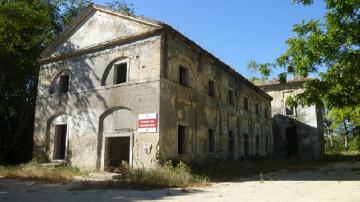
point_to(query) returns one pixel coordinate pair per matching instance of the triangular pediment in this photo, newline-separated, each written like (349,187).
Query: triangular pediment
(97,25)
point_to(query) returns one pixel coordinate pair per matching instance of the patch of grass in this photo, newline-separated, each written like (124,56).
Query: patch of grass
(162,176)
(36,172)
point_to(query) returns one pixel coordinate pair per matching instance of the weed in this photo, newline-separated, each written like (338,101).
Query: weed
(35,171)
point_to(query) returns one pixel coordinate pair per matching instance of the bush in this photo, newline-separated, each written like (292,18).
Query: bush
(164,175)
(338,145)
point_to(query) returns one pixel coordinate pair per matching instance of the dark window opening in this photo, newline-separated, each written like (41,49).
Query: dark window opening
(120,73)
(51,89)
(231,96)
(181,139)
(211,141)
(246,103)
(231,145)
(211,89)
(257,108)
(60,141)
(266,115)
(183,76)
(64,84)
(290,110)
(246,145)
(258,143)
(267,144)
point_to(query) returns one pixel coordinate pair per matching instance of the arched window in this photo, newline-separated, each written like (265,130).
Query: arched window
(116,72)
(60,83)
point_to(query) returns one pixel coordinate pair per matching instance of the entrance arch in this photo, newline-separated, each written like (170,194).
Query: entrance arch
(115,139)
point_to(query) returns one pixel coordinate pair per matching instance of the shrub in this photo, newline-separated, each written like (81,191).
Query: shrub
(164,175)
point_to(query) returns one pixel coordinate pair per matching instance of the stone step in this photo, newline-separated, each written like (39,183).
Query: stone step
(104,175)
(54,164)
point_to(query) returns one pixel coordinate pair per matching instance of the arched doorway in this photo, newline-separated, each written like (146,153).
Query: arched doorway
(57,137)
(116,128)
(291,140)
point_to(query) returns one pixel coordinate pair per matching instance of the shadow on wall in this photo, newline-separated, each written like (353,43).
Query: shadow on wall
(80,96)
(295,139)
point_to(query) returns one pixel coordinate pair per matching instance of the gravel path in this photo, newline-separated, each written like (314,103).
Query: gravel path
(335,182)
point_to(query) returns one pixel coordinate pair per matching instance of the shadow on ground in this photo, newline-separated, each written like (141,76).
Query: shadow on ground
(347,168)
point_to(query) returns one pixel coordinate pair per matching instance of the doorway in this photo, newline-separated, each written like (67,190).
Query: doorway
(291,141)
(117,150)
(60,142)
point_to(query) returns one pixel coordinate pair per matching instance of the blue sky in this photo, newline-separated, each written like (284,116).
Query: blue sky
(236,31)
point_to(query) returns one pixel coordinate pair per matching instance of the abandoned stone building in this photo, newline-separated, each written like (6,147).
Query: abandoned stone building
(298,131)
(115,88)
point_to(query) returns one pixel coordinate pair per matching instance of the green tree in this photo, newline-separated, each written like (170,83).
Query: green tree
(26,28)
(332,44)
(122,6)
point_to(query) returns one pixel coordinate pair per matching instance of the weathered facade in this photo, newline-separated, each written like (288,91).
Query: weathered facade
(108,70)
(298,131)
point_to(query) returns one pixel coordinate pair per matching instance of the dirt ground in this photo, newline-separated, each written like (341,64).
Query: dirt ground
(334,182)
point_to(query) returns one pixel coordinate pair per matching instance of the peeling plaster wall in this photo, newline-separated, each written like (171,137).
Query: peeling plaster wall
(98,28)
(87,101)
(193,107)
(95,107)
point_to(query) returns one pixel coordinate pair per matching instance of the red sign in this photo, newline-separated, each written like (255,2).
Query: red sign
(148,123)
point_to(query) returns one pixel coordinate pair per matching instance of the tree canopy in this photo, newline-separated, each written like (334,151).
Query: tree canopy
(331,44)
(26,28)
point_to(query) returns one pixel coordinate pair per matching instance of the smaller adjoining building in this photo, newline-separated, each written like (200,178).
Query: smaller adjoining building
(298,131)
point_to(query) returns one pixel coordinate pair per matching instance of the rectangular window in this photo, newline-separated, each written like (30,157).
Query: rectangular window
(257,143)
(246,103)
(231,96)
(211,140)
(183,76)
(290,110)
(257,108)
(246,145)
(120,73)
(267,144)
(266,115)
(64,84)
(231,145)
(211,88)
(181,139)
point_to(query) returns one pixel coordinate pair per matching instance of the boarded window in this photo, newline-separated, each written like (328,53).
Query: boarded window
(211,88)
(64,83)
(231,96)
(120,71)
(246,103)
(183,76)
(211,140)
(181,139)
